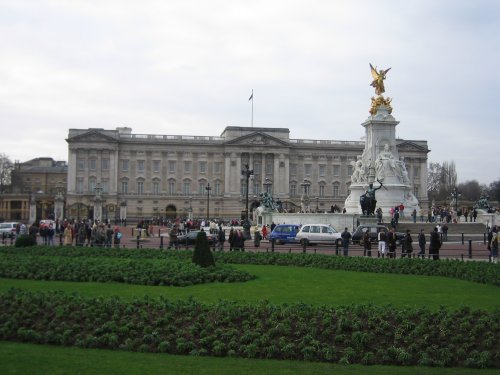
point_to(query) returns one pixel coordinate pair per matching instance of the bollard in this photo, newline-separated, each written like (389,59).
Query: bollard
(462,255)
(60,239)
(138,238)
(290,250)
(304,245)
(161,243)
(314,251)
(272,245)
(132,232)
(336,248)
(484,238)
(470,249)
(462,238)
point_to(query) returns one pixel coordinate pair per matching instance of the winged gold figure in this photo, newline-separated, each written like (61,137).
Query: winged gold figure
(378,79)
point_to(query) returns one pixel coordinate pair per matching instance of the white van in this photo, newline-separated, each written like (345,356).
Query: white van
(311,234)
(8,228)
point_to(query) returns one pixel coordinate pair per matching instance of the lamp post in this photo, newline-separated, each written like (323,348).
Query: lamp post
(208,188)
(455,194)
(247,172)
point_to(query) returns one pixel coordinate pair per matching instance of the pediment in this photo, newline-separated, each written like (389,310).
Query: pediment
(257,139)
(91,136)
(411,146)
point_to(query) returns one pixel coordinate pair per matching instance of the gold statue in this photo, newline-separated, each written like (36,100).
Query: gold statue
(378,79)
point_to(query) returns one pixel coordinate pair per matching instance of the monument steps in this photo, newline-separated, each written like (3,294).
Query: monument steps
(458,228)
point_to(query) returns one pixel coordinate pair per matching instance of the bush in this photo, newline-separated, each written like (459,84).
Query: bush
(24,241)
(202,255)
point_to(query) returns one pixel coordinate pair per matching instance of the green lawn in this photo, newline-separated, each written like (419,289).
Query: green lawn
(296,284)
(32,359)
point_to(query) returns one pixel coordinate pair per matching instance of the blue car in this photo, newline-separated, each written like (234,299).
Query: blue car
(284,233)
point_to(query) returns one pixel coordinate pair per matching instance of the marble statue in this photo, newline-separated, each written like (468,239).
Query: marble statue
(385,165)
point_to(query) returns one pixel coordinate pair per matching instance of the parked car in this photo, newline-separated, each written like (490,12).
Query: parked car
(284,233)
(8,229)
(311,234)
(373,230)
(190,238)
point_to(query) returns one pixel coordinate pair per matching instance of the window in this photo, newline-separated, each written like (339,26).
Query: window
(79,185)
(217,188)
(256,187)
(124,165)
(322,169)
(349,170)
(293,169)
(156,187)
(187,166)
(416,172)
(336,170)
(307,170)
(140,187)
(269,167)
(156,166)
(201,188)
(218,167)
(257,169)
(80,164)
(105,186)
(335,190)
(415,191)
(293,190)
(140,166)
(321,190)
(171,187)
(171,166)
(105,164)
(92,164)
(202,166)
(92,184)
(186,189)
(124,187)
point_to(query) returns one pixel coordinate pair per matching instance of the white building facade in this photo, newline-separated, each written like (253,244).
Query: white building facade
(140,176)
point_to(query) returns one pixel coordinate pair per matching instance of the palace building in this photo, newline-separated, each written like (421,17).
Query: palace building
(137,176)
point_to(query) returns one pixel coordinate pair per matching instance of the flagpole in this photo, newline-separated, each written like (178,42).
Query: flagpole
(252,108)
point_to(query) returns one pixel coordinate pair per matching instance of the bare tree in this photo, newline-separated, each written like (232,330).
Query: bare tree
(441,180)
(6,167)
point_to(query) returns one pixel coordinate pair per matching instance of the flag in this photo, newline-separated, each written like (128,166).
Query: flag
(251,96)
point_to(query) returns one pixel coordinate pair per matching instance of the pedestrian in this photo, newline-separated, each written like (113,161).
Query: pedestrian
(257,237)
(414,215)
(379,216)
(346,237)
(407,248)
(391,242)
(421,244)
(173,237)
(264,232)
(382,238)
(494,246)
(434,244)
(50,235)
(117,237)
(68,235)
(221,238)
(367,244)
(444,229)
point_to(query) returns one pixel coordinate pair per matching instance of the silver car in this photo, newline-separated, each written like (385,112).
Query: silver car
(311,234)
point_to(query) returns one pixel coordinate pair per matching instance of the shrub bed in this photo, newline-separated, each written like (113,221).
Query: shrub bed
(481,272)
(347,334)
(105,269)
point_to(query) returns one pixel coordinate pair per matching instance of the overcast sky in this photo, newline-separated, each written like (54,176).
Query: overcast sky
(188,67)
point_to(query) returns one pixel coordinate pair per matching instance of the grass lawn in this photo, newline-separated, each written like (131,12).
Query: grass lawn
(32,359)
(296,284)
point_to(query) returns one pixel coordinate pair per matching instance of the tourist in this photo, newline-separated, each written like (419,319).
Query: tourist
(382,237)
(494,245)
(367,244)
(346,238)
(444,229)
(68,235)
(434,244)
(117,237)
(407,245)
(221,238)
(391,241)
(421,244)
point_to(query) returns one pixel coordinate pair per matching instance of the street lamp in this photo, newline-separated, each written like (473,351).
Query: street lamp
(208,188)
(455,194)
(247,172)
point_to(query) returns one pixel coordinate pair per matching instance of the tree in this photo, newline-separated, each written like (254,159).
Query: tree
(6,167)
(494,190)
(471,190)
(202,255)
(441,179)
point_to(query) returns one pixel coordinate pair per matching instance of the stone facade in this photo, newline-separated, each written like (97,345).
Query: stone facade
(146,175)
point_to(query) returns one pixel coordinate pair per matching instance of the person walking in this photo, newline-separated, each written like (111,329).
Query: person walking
(346,238)
(367,244)
(221,238)
(421,244)
(382,238)
(434,244)
(391,241)
(407,245)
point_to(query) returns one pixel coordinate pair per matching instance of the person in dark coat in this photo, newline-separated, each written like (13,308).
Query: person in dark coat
(367,244)
(346,238)
(434,244)
(407,245)
(391,243)
(421,243)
